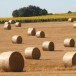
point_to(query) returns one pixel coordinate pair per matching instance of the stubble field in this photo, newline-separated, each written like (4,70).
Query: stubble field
(50,62)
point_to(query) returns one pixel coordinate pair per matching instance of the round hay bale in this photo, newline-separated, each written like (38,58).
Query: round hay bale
(11,21)
(69,42)
(11,61)
(70,19)
(6,23)
(18,24)
(69,59)
(32,53)
(17,39)
(74,25)
(7,27)
(48,46)
(40,34)
(31,31)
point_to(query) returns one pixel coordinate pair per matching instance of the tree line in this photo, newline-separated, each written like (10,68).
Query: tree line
(29,11)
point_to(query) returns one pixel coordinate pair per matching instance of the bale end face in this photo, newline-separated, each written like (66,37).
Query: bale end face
(16,62)
(19,40)
(36,53)
(72,43)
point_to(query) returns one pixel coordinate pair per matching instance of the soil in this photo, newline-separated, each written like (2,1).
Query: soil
(50,62)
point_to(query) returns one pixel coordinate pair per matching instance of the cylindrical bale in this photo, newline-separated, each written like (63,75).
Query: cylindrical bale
(6,23)
(17,39)
(48,46)
(70,19)
(40,34)
(69,59)
(31,31)
(7,27)
(69,42)
(18,24)
(32,53)
(11,21)
(74,25)
(11,61)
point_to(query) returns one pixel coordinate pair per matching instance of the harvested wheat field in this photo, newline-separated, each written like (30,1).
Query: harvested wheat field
(50,62)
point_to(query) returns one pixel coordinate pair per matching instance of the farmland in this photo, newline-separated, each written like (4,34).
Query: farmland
(55,17)
(50,62)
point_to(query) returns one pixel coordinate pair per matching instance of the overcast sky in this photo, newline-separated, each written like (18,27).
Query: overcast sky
(52,6)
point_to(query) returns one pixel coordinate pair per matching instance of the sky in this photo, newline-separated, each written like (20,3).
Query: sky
(52,6)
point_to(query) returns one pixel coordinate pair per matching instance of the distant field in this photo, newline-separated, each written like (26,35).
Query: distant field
(55,17)
(50,63)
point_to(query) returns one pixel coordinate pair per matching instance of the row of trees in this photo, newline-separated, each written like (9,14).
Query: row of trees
(29,11)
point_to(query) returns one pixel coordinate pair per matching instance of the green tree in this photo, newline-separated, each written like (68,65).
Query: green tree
(69,12)
(44,12)
(22,12)
(29,11)
(15,13)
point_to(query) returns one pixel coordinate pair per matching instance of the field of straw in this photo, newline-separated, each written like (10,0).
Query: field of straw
(50,62)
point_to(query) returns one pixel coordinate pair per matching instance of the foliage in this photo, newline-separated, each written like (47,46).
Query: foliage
(15,13)
(29,11)
(69,12)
